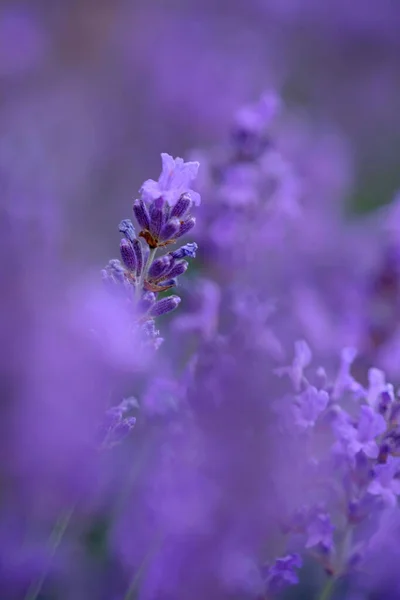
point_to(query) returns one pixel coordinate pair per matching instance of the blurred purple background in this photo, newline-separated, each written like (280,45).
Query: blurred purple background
(93,90)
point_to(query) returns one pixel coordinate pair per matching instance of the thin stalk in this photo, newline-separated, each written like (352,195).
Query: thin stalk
(139,284)
(54,541)
(155,546)
(327,589)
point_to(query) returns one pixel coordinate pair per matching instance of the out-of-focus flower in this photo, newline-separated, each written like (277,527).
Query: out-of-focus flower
(283,573)
(386,483)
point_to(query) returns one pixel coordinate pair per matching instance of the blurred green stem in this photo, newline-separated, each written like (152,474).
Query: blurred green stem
(155,546)
(327,589)
(54,541)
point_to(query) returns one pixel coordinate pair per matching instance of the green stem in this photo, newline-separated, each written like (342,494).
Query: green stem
(54,541)
(139,285)
(142,567)
(327,589)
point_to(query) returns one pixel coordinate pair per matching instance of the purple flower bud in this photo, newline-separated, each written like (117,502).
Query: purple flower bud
(142,214)
(392,440)
(164,306)
(146,302)
(385,402)
(177,269)
(282,573)
(170,282)
(115,270)
(170,229)
(186,250)
(128,254)
(157,217)
(123,429)
(182,206)
(137,247)
(160,266)
(186,226)
(126,227)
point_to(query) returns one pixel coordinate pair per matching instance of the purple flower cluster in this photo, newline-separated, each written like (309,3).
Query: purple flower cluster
(163,215)
(217,464)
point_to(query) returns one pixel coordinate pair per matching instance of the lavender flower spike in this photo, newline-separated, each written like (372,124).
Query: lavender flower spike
(175,179)
(282,573)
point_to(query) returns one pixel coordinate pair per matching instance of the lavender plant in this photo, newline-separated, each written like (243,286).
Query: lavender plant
(234,475)
(163,215)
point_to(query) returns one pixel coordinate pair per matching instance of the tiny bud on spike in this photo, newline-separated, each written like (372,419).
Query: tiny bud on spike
(142,214)
(137,247)
(186,226)
(182,206)
(186,250)
(159,266)
(146,302)
(156,218)
(126,227)
(177,269)
(164,306)
(170,229)
(128,254)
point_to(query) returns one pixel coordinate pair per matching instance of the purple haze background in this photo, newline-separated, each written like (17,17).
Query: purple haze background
(91,93)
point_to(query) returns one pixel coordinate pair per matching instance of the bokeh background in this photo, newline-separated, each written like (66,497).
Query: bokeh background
(91,91)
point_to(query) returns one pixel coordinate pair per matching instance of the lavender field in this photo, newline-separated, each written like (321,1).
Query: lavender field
(200,300)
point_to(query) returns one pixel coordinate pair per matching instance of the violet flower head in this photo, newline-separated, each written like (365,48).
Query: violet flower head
(162,212)
(386,484)
(308,406)
(302,359)
(320,532)
(118,422)
(344,381)
(175,179)
(360,436)
(282,573)
(377,385)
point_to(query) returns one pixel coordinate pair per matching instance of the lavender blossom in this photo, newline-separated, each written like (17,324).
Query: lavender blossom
(386,484)
(308,406)
(142,275)
(175,180)
(320,532)
(282,573)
